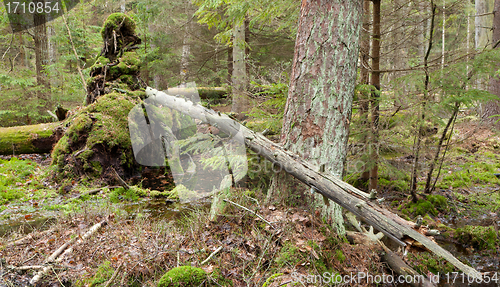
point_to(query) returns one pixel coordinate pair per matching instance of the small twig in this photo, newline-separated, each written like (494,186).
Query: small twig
(251,211)
(24,268)
(57,276)
(120,180)
(28,237)
(110,281)
(211,255)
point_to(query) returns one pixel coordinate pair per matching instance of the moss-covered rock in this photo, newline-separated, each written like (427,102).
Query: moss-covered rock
(184,276)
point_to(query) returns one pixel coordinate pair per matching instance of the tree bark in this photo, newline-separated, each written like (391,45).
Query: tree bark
(375,97)
(364,79)
(41,54)
(239,76)
(324,183)
(318,108)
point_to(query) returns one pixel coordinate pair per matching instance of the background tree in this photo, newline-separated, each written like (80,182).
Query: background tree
(318,108)
(492,108)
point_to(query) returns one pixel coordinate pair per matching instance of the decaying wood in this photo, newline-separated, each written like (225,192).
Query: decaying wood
(333,188)
(391,258)
(29,139)
(401,268)
(62,251)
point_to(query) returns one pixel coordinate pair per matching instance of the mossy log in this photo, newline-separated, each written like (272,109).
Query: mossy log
(30,139)
(331,187)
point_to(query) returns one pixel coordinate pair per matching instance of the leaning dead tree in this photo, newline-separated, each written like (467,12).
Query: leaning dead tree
(349,197)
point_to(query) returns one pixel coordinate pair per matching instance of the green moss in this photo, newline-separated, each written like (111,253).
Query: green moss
(422,207)
(60,149)
(134,193)
(104,272)
(271,279)
(183,276)
(340,255)
(440,202)
(97,66)
(118,21)
(80,126)
(425,261)
(289,254)
(129,64)
(96,166)
(12,173)
(111,128)
(480,237)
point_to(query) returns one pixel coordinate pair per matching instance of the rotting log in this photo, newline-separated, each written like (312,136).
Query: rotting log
(333,188)
(29,139)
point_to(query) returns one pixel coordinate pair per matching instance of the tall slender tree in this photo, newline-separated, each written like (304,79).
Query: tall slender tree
(41,52)
(318,108)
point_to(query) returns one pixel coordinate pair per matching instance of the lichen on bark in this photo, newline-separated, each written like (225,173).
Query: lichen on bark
(318,109)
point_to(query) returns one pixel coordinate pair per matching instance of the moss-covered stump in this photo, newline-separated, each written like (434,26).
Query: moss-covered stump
(183,276)
(117,67)
(97,139)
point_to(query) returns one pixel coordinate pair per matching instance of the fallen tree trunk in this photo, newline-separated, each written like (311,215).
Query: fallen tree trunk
(333,188)
(29,139)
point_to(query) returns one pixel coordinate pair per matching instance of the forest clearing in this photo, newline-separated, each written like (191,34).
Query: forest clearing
(250,143)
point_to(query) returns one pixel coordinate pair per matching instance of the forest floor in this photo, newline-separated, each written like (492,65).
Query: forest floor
(145,235)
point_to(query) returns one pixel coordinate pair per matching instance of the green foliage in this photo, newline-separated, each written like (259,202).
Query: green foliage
(223,14)
(480,237)
(183,276)
(269,114)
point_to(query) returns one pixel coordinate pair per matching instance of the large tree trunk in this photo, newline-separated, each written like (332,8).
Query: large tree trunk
(318,108)
(323,183)
(492,108)
(239,76)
